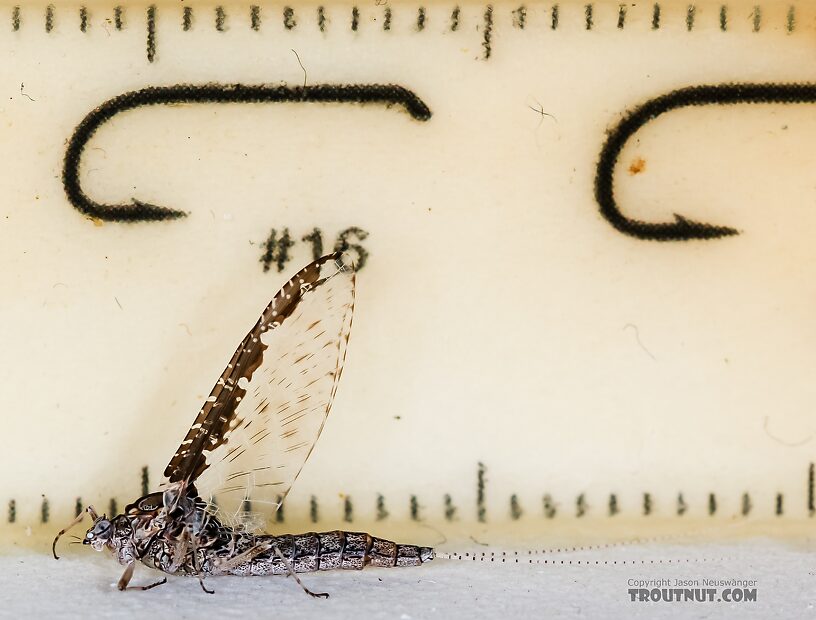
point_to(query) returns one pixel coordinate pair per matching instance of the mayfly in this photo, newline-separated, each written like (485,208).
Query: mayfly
(247,444)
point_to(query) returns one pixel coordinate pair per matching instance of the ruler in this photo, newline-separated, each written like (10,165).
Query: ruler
(583,230)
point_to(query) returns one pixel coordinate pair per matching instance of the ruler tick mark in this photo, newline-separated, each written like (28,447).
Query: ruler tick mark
(387,19)
(790,19)
(414,507)
(746,504)
(515,508)
(681,505)
(117,17)
(289,18)
(187,18)
(355,18)
(220,18)
(488,31)
(723,18)
(382,513)
(656,17)
(44,510)
(613,505)
(588,16)
(554,17)
(151,33)
(15,18)
(549,506)
(454,24)
(520,17)
(420,22)
(481,511)
(757,18)
(255,17)
(83,19)
(321,18)
(450,509)
(49,18)
(690,14)
(580,506)
(621,16)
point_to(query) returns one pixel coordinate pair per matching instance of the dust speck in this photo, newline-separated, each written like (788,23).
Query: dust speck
(637,166)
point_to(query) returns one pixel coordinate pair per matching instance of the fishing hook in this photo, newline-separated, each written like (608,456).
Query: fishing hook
(682,229)
(138,211)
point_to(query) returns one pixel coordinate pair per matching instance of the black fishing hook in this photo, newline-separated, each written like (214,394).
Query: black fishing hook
(682,229)
(138,211)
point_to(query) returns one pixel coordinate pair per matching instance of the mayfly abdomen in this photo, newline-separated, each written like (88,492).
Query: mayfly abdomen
(313,552)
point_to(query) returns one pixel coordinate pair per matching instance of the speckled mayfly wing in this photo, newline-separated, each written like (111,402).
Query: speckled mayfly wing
(265,413)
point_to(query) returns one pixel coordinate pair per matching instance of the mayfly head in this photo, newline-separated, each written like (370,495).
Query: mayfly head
(90,510)
(99,534)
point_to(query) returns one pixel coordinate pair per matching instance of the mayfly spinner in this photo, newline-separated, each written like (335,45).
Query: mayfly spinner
(249,442)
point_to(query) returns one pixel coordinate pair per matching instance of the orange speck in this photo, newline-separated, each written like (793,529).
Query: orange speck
(637,166)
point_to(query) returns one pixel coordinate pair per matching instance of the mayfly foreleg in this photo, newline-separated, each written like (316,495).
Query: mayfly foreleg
(124,580)
(76,520)
(291,570)
(149,587)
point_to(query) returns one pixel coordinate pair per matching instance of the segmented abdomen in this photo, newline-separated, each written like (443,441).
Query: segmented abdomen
(332,550)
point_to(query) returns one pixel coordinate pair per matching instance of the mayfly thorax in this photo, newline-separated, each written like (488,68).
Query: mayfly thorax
(250,439)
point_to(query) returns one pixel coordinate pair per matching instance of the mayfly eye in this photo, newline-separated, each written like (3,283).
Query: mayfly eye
(89,535)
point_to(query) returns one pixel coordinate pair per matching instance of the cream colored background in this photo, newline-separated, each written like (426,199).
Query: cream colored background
(496,316)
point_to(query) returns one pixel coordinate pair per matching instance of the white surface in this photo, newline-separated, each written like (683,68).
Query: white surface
(80,585)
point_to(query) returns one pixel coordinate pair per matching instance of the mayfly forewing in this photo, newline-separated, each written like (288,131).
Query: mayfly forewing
(265,413)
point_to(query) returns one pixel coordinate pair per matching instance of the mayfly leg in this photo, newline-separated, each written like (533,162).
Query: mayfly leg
(124,580)
(76,520)
(151,586)
(192,538)
(291,570)
(246,556)
(179,552)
